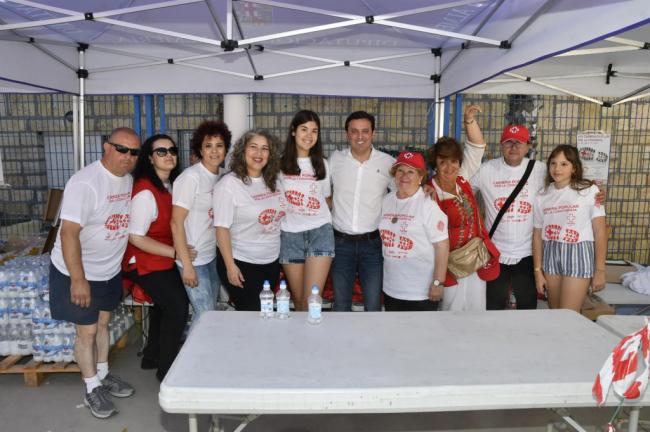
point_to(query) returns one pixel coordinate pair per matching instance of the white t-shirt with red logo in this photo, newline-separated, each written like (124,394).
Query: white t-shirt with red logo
(305,198)
(565,215)
(407,244)
(253,214)
(100,202)
(496,180)
(193,192)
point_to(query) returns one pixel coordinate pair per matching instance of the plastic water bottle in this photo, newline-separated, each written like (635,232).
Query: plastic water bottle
(282,301)
(512,301)
(266,301)
(37,348)
(67,348)
(315,302)
(4,339)
(24,343)
(13,337)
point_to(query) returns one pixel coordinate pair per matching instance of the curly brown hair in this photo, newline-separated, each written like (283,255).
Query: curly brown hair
(272,168)
(209,128)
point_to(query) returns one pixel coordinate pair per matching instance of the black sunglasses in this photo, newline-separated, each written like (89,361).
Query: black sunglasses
(124,149)
(162,151)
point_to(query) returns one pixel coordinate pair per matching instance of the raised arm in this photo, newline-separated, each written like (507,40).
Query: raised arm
(472,129)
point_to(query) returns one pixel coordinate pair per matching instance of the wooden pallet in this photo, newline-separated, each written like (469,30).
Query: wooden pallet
(34,372)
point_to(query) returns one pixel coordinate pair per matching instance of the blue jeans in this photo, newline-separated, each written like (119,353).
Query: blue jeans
(364,257)
(204,296)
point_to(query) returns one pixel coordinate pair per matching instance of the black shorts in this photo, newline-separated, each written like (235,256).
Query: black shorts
(105,296)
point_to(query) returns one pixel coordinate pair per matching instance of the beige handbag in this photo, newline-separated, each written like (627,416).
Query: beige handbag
(468,258)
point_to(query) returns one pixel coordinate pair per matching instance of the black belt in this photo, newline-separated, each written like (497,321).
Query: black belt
(357,237)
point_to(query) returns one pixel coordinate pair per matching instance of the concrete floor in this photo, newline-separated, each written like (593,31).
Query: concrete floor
(57,406)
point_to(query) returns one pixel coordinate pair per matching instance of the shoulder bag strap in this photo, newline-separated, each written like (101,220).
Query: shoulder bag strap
(512,196)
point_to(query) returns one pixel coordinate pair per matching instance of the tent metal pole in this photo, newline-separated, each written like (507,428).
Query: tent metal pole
(553,87)
(137,115)
(82,106)
(543,8)
(476,31)
(229,12)
(458,116)
(630,96)
(75,132)
(439,109)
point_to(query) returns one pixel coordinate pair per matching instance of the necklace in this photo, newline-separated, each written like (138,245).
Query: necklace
(397,212)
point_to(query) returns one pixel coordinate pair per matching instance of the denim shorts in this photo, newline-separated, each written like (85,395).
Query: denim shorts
(104,296)
(568,259)
(297,247)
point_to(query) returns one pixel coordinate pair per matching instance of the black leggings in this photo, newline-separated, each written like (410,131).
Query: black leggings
(521,278)
(168,317)
(248,298)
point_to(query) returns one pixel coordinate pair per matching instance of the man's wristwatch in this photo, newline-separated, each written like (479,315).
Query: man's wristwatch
(436,283)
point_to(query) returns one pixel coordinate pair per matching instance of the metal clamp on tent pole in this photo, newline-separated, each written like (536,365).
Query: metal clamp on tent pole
(610,73)
(437,52)
(505,44)
(370,19)
(435,78)
(229,44)
(88,16)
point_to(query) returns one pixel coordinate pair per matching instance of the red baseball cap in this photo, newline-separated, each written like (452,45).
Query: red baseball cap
(515,132)
(411,159)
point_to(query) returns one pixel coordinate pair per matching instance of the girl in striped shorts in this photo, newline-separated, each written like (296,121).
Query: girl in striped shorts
(569,236)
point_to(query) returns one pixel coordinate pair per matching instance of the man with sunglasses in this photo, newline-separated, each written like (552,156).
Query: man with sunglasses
(496,180)
(85,277)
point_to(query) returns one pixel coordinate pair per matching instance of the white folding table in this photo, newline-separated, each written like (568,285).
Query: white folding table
(621,325)
(387,363)
(618,295)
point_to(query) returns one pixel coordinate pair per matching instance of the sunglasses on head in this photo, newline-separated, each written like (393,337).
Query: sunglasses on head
(162,151)
(124,149)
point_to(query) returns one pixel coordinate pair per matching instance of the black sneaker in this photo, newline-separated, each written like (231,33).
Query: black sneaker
(116,387)
(99,403)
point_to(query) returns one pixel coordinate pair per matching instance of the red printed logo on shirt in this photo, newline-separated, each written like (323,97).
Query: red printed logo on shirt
(313,203)
(117,221)
(524,207)
(294,197)
(571,236)
(441,226)
(266,217)
(387,238)
(553,232)
(405,243)
(499,202)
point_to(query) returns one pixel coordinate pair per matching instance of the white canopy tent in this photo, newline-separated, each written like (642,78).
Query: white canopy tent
(617,67)
(380,48)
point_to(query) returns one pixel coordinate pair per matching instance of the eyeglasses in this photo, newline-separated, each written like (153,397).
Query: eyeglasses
(124,149)
(162,151)
(515,144)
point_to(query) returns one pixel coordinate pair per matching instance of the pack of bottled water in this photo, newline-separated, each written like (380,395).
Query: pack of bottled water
(23,285)
(26,323)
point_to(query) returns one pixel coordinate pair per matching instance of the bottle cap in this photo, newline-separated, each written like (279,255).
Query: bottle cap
(283,284)
(266,285)
(314,289)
